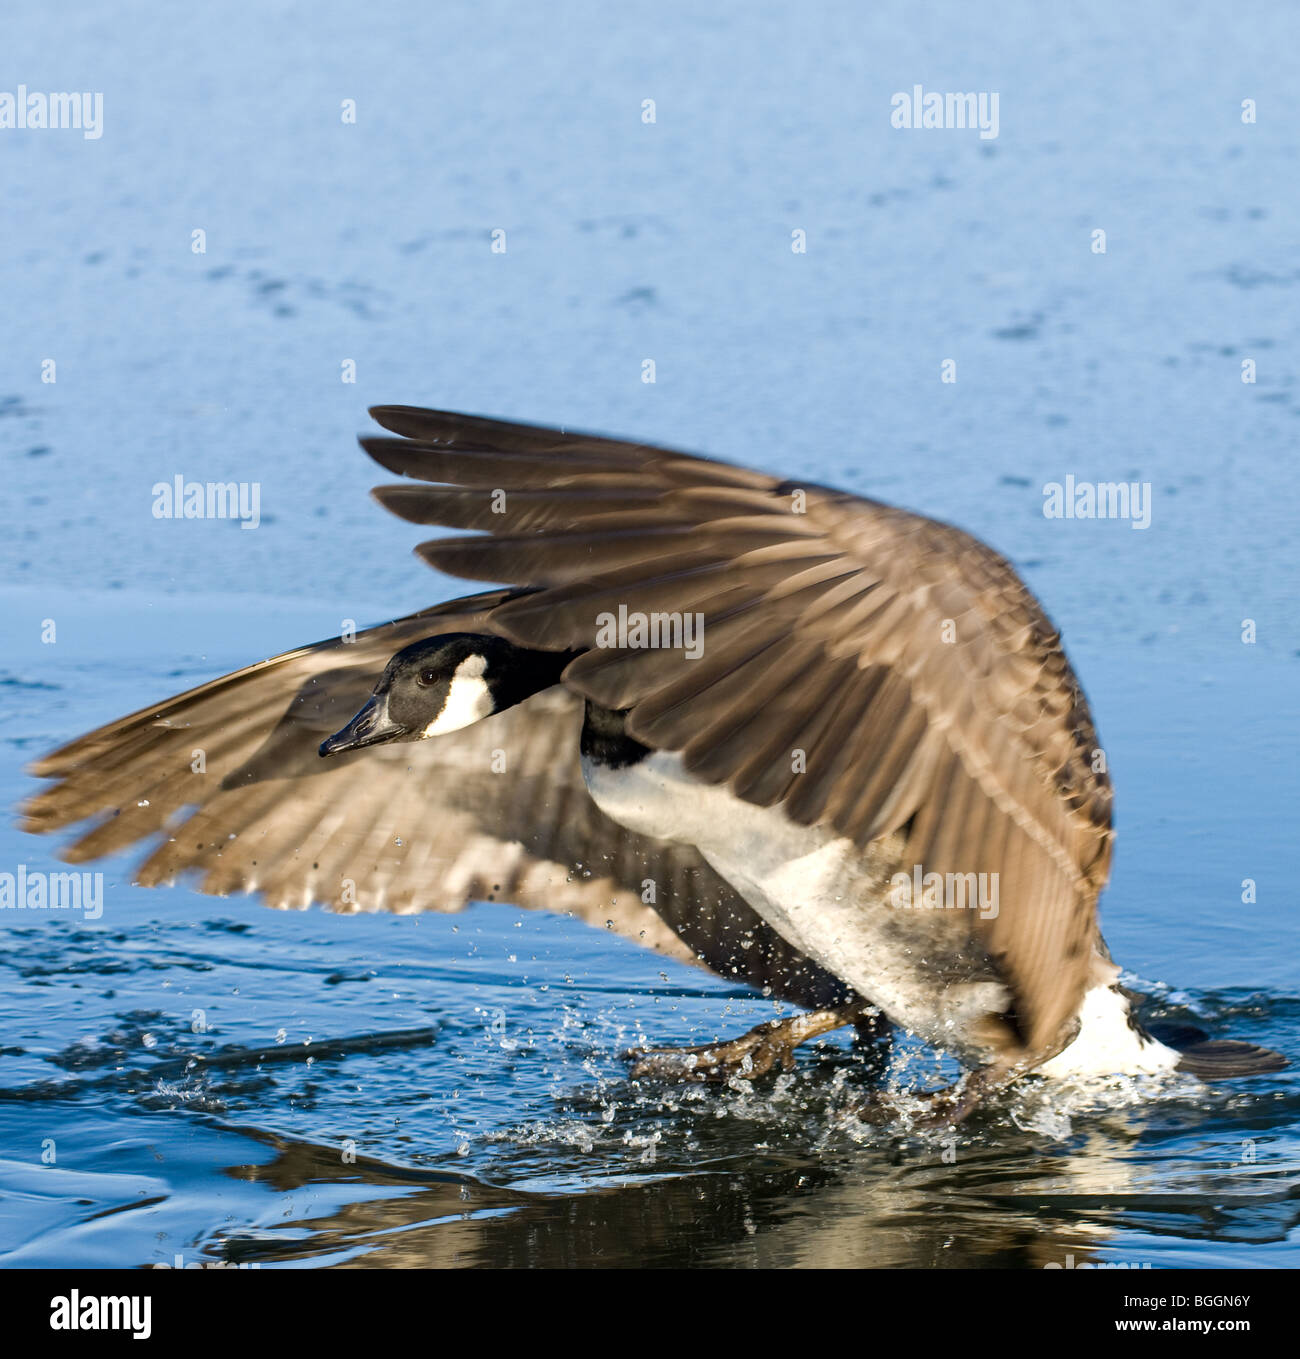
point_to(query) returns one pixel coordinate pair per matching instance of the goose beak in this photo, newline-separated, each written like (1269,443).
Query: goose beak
(370,727)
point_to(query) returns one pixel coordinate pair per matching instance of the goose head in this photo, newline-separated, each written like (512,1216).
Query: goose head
(444,683)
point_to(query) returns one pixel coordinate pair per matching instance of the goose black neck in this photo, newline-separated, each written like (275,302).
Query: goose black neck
(524,672)
(605,740)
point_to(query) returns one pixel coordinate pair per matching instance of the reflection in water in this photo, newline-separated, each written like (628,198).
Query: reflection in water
(770,1211)
(1013,1202)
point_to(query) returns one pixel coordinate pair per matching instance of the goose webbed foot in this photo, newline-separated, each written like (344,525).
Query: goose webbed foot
(942,1108)
(750,1056)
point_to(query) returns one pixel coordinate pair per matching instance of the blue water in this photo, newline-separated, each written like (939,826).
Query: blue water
(463,1099)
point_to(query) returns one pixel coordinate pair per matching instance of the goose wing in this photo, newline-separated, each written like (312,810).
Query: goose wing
(898,664)
(224,784)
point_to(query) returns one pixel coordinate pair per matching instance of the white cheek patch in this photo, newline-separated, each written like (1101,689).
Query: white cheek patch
(469,700)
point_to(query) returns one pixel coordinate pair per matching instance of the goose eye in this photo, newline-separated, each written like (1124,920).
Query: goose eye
(428,677)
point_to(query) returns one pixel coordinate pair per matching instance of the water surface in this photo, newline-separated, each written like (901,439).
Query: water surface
(209,1079)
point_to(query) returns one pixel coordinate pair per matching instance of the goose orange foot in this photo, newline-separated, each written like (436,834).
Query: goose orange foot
(750,1056)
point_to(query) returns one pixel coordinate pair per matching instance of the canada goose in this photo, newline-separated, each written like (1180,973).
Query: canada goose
(875,714)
